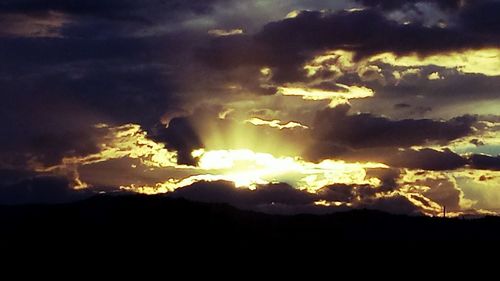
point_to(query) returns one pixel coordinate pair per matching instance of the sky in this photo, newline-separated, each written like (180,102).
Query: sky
(280,106)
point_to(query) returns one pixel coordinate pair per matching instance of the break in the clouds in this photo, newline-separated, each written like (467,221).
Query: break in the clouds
(277,106)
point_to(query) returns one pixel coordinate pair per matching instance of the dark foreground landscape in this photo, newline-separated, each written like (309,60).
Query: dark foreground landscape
(142,222)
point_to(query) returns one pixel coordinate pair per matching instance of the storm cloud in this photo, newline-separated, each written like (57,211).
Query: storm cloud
(395,4)
(389,105)
(284,199)
(485,162)
(365,130)
(286,45)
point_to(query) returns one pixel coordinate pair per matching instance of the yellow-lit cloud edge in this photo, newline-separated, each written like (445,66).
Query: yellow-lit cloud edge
(248,169)
(480,61)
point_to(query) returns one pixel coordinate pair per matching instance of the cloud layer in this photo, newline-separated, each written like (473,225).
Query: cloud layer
(316,105)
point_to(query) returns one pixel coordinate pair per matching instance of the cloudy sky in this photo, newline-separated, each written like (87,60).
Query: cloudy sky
(284,106)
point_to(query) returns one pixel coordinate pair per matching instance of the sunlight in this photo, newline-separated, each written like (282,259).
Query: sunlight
(481,61)
(343,95)
(247,169)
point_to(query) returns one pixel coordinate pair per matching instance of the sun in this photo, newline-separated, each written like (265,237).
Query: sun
(247,168)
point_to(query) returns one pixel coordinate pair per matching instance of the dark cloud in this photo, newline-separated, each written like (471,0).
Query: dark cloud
(285,45)
(442,191)
(476,142)
(485,162)
(11,176)
(93,64)
(225,192)
(388,177)
(99,19)
(68,65)
(181,136)
(426,159)
(52,113)
(400,4)
(365,137)
(17,187)
(482,17)
(346,193)
(118,77)
(99,68)
(22,54)
(37,189)
(128,171)
(232,52)
(56,89)
(111,9)
(365,130)
(360,31)
(454,94)
(284,199)
(41,129)
(402,106)
(397,204)
(456,87)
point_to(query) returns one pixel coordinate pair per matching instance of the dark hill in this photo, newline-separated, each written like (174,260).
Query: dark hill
(156,222)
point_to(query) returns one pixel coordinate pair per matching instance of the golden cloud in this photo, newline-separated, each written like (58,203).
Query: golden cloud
(224,32)
(434,76)
(248,169)
(119,142)
(276,123)
(483,61)
(440,187)
(336,97)
(331,65)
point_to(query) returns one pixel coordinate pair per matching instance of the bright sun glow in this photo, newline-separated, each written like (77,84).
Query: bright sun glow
(247,169)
